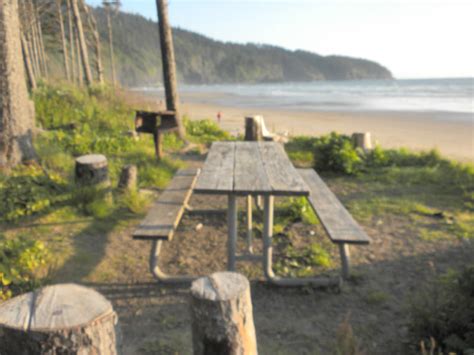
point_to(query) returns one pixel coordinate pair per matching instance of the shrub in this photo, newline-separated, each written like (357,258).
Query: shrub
(205,131)
(444,310)
(21,264)
(28,190)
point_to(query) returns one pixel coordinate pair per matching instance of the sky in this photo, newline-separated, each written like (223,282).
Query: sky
(412,38)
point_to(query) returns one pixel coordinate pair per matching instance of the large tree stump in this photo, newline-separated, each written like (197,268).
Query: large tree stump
(60,319)
(253,129)
(92,170)
(128,178)
(222,315)
(362,140)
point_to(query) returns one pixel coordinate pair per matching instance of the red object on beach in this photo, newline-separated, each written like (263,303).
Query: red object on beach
(219,117)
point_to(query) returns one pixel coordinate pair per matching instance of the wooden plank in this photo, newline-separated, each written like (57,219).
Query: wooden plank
(217,173)
(283,177)
(164,216)
(337,221)
(250,176)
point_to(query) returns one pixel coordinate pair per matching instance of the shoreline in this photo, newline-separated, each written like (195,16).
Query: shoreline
(391,129)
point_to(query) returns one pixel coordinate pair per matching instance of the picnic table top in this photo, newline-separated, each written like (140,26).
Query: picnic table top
(249,168)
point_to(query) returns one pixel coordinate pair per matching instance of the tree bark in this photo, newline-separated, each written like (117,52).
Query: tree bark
(169,64)
(59,319)
(92,23)
(16,109)
(82,43)
(63,39)
(111,46)
(222,319)
(28,65)
(72,42)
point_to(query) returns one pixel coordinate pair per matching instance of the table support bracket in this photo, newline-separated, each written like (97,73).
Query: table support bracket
(158,273)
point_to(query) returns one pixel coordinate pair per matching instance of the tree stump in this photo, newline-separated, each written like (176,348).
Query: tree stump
(362,140)
(253,128)
(60,319)
(128,178)
(222,315)
(92,170)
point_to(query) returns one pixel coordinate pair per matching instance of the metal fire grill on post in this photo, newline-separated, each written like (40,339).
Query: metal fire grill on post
(156,123)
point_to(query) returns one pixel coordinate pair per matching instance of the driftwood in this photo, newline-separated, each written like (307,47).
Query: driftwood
(222,315)
(253,129)
(60,319)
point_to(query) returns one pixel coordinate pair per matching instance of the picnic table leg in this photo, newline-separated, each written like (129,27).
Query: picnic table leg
(267,236)
(345,259)
(249,224)
(232,230)
(158,273)
(268,256)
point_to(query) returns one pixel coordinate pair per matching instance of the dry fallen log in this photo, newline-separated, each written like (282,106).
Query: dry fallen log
(60,319)
(222,315)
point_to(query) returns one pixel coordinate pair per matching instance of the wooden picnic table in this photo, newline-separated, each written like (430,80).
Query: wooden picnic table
(253,169)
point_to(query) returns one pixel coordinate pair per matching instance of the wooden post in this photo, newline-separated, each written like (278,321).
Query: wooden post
(128,178)
(169,64)
(92,170)
(253,129)
(59,319)
(222,316)
(158,139)
(362,140)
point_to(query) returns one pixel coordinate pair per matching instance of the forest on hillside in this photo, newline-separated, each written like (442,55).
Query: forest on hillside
(201,60)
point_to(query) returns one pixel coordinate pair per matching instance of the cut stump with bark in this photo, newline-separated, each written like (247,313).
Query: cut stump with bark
(222,316)
(92,170)
(362,140)
(59,319)
(128,178)
(253,129)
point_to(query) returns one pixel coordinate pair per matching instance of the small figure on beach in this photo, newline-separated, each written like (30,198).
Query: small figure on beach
(219,116)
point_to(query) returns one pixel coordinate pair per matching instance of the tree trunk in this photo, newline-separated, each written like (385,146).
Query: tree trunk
(28,65)
(95,33)
(16,110)
(72,42)
(63,40)
(222,319)
(82,43)
(59,319)
(34,39)
(169,64)
(80,69)
(42,53)
(111,46)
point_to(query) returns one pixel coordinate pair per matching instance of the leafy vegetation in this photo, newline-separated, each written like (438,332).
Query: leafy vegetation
(443,310)
(22,263)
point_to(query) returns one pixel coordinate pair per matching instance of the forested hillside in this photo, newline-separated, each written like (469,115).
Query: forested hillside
(203,60)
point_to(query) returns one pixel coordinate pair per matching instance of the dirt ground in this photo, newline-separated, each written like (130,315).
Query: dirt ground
(155,318)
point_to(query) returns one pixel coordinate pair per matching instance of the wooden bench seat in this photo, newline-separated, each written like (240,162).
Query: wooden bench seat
(163,217)
(340,226)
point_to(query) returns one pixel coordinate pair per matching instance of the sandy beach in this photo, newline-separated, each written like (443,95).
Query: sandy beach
(413,130)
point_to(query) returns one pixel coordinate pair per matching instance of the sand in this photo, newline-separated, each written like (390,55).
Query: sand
(416,131)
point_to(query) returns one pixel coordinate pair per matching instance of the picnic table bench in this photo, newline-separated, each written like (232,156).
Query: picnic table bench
(250,169)
(163,218)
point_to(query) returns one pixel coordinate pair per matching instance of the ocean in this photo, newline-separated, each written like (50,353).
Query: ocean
(451,99)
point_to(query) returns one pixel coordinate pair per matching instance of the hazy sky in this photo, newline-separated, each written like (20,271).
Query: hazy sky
(413,38)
